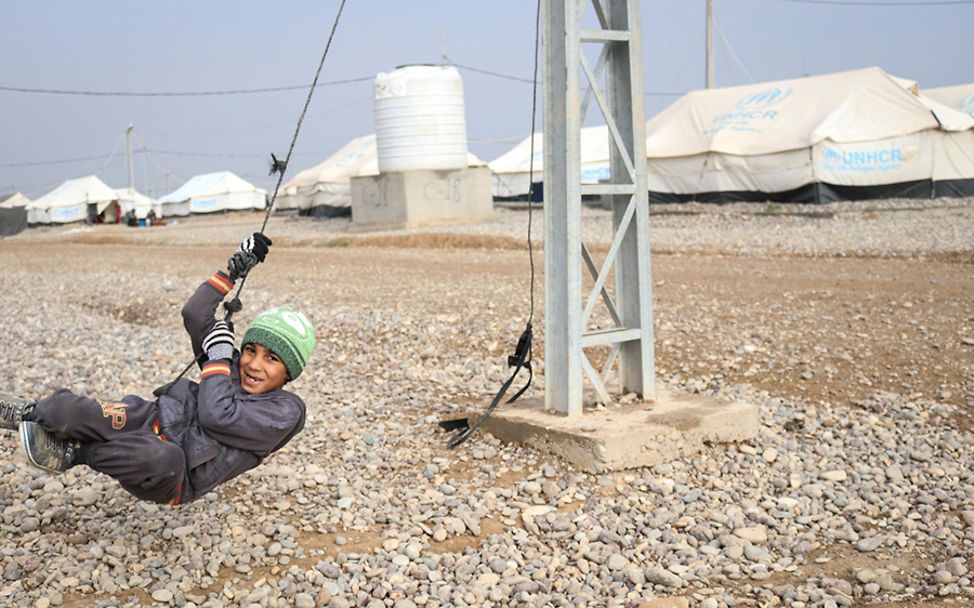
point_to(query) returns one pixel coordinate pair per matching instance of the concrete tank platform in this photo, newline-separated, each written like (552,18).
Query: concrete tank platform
(407,199)
(676,425)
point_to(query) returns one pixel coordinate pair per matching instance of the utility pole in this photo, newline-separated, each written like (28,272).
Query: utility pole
(128,156)
(568,310)
(710,44)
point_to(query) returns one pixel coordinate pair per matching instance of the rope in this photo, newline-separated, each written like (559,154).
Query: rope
(279,167)
(521,359)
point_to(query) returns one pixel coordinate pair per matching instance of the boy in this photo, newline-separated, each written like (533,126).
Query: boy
(194,436)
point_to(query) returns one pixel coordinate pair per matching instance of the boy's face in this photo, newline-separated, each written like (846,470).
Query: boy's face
(261,371)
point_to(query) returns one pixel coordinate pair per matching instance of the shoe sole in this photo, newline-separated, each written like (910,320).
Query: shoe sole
(24,437)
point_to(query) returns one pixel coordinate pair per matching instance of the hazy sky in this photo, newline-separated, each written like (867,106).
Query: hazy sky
(111,45)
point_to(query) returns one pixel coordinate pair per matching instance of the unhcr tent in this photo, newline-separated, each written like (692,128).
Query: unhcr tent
(850,135)
(85,198)
(953,150)
(325,189)
(139,204)
(960,97)
(511,170)
(213,192)
(13,214)
(14,200)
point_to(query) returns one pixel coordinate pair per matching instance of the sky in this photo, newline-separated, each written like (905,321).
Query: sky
(182,46)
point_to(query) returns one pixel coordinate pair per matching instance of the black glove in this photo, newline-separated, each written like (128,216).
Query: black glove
(251,252)
(218,344)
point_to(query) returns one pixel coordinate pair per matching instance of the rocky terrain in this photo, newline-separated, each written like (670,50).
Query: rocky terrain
(850,325)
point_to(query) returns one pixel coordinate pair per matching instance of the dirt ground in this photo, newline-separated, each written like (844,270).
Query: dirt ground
(820,329)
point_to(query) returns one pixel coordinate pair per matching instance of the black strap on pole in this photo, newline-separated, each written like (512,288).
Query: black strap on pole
(279,167)
(521,359)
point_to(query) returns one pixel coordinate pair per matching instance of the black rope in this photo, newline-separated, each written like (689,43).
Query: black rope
(279,167)
(521,359)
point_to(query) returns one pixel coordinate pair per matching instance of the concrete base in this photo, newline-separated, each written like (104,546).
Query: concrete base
(628,436)
(408,199)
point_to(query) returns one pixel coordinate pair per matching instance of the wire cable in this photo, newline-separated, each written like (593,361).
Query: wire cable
(840,3)
(534,112)
(733,53)
(234,305)
(282,169)
(294,87)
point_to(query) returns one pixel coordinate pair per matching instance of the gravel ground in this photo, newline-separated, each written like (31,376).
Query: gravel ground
(851,328)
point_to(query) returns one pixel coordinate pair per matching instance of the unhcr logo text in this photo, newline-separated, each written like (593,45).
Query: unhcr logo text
(763,99)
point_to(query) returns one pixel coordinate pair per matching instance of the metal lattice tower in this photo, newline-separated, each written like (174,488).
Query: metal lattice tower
(620,99)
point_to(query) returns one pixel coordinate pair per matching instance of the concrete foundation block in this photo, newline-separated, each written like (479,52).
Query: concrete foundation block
(407,199)
(637,435)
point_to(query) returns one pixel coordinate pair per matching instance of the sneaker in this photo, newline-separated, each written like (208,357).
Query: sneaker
(12,411)
(47,452)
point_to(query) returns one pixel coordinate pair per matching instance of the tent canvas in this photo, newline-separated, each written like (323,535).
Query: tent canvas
(73,201)
(511,169)
(848,135)
(139,204)
(325,189)
(14,200)
(213,192)
(960,97)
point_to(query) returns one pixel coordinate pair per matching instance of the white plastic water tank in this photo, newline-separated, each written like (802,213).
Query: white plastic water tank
(419,119)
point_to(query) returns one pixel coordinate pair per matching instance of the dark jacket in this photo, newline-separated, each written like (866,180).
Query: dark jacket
(222,429)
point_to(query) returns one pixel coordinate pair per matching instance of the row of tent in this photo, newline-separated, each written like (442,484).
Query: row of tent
(90,199)
(848,135)
(851,135)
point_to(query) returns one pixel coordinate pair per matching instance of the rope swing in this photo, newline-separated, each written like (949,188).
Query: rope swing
(279,167)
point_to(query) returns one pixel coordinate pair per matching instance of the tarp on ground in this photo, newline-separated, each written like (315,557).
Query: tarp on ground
(213,192)
(960,97)
(14,200)
(855,134)
(73,201)
(325,189)
(13,220)
(510,171)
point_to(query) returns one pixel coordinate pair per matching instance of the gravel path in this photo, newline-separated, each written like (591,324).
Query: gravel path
(854,494)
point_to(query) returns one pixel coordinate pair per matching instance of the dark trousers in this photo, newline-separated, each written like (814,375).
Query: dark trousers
(120,441)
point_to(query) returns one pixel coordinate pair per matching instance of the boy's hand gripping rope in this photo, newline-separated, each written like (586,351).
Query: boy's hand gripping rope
(277,166)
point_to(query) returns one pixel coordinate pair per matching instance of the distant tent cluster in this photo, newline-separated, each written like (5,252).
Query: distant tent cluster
(845,136)
(850,135)
(90,199)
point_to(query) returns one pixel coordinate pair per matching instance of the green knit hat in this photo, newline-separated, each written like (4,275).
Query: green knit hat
(286,332)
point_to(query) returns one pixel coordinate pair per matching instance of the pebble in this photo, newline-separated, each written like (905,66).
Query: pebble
(415,524)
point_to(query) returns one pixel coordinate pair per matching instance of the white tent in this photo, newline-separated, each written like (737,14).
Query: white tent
(511,169)
(15,200)
(73,201)
(953,149)
(849,135)
(960,97)
(139,204)
(325,189)
(213,192)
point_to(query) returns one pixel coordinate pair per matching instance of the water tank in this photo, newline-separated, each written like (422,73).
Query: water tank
(419,119)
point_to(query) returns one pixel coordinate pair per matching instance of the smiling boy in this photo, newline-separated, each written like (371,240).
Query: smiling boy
(196,436)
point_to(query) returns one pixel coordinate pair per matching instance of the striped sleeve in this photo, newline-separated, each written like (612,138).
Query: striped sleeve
(221,282)
(219,367)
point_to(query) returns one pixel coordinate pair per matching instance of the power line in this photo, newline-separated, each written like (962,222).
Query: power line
(62,161)
(881,3)
(180,93)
